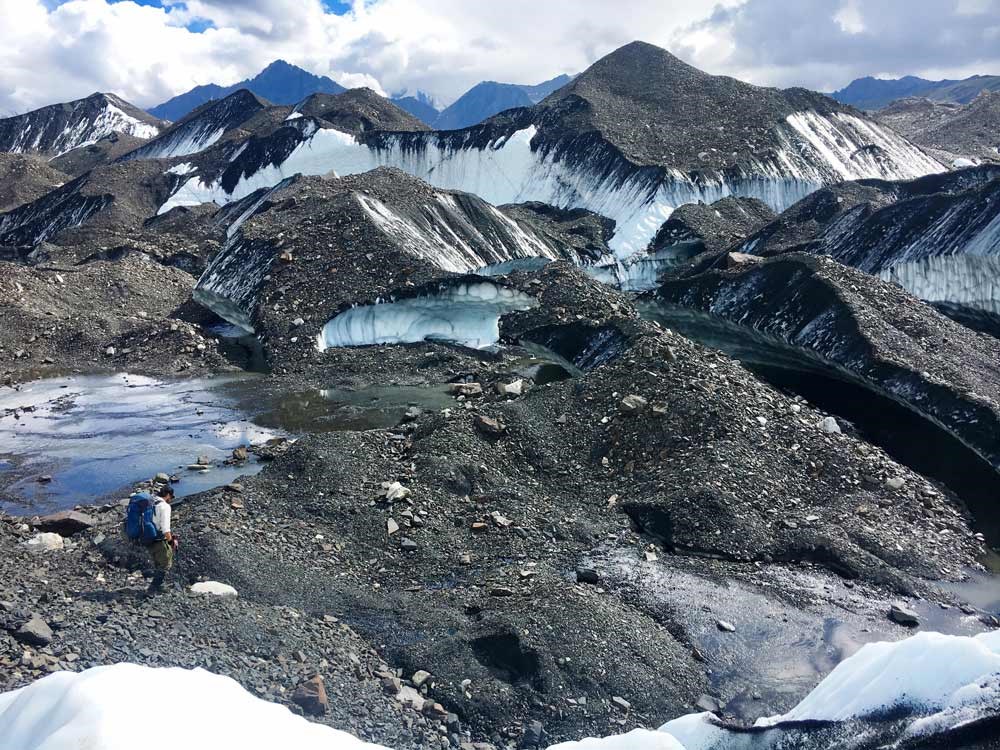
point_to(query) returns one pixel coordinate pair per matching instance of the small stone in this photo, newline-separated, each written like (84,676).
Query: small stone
(762,421)
(895,483)
(511,389)
(395,491)
(489,426)
(298,322)
(110,351)
(501,591)
(310,696)
(420,677)
(408,545)
(632,404)
(391,526)
(466,389)
(44,479)
(725,627)
(240,453)
(903,615)
(161,478)
(621,704)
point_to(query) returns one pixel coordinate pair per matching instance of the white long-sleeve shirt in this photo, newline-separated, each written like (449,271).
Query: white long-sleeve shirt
(161,517)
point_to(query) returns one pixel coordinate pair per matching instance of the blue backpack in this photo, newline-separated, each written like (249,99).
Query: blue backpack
(139,518)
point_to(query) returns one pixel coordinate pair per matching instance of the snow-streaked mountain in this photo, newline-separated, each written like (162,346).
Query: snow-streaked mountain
(875,93)
(280,83)
(202,128)
(59,128)
(626,139)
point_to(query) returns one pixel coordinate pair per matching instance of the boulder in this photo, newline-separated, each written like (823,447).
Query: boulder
(45,541)
(214,588)
(903,615)
(310,696)
(633,404)
(35,632)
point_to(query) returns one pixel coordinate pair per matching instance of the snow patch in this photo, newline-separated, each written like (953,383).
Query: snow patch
(466,314)
(108,708)
(182,169)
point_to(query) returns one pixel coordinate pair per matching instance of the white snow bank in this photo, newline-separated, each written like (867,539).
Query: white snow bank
(962,163)
(637,739)
(944,680)
(923,672)
(467,314)
(108,708)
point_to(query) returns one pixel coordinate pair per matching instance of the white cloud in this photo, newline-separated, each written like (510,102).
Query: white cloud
(148,54)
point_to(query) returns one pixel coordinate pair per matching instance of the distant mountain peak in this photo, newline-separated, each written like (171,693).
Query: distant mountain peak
(280,82)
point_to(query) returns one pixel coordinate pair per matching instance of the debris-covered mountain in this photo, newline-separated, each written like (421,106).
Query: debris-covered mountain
(24,178)
(115,199)
(938,236)
(280,82)
(960,134)
(625,139)
(58,128)
(875,93)
(104,151)
(381,230)
(865,330)
(358,111)
(202,128)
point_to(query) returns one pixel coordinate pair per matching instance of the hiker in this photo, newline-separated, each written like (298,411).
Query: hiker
(148,522)
(162,549)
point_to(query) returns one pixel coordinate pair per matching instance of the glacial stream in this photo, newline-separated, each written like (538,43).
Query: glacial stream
(88,438)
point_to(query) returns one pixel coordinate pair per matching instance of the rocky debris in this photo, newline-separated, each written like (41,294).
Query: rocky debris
(725,626)
(698,227)
(24,178)
(586,233)
(94,310)
(948,130)
(900,613)
(105,150)
(310,696)
(65,523)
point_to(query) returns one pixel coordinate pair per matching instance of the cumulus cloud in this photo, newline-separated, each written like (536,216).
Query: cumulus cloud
(55,50)
(824,45)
